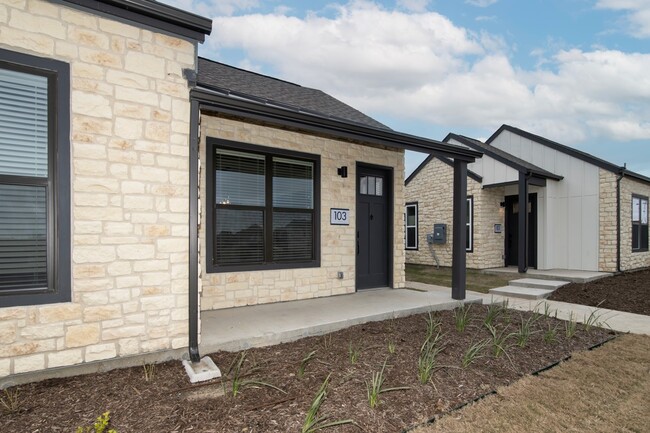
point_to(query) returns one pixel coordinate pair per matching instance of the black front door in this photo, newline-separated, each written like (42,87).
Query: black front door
(512,230)
(373,218)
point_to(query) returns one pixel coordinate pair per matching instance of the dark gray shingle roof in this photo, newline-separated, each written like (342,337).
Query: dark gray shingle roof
(268,90)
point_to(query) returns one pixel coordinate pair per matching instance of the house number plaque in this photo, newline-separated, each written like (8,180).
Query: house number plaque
(340,217)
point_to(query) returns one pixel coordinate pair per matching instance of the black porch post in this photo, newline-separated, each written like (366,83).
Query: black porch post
(458,275)
(522,247)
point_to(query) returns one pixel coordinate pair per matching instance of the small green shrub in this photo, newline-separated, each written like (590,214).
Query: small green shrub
(305,361)
(550,335)
(473,353)
(376,387)
(312,421)
(391,347)
(525,330)
(353,353)
(499,339)
(570,327)
(461,317)
(427,360)
(236,374)
(149,371)
(495,311)
(100,425)
(10,400)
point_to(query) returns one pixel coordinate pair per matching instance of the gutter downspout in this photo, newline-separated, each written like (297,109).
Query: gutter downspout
(621,173)
(193,253)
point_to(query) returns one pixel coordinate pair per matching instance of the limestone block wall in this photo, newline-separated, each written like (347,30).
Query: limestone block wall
(338,243)
(432,188)
(607,222)
(631,260)
(129,146)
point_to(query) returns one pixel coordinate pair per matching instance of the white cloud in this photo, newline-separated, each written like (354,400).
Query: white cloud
(210,8)
(637,22)
(413,5)
(481,3)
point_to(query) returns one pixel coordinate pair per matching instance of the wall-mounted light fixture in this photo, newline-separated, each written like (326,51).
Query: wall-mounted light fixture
(342,171)
(502,204)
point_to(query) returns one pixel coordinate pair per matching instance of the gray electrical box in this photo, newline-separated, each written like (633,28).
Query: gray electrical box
(440,233)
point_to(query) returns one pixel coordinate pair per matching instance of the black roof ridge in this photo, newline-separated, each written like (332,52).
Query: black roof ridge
(504,157)
(445,160)
(584,156)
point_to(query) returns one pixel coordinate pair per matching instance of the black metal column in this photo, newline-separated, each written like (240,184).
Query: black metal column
(194,239)
(522,247)
(458,267)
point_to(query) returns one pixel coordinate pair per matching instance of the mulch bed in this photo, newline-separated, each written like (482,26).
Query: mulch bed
(169,403)
(629,291)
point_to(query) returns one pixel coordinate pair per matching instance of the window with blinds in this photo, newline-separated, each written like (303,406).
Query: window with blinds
(34,180)
(411,226)
(263,209)
(24,171)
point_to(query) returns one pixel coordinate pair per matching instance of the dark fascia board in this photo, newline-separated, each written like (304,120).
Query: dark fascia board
(154,14)
(500,158)
(214,102)
(583,156)
(447,161)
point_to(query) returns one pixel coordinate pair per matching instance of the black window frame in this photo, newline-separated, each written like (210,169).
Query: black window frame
(57,184)
(406,226)
(470,224)
(639,225)
(268,152)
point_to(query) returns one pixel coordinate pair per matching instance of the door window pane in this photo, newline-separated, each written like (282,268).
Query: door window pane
(239,178)
(23,124)
(239,236)
(363,185)
(371,185)
(23,237)
(293,184)
(379,182)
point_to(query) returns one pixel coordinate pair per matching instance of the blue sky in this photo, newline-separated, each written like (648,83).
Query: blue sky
(574,71)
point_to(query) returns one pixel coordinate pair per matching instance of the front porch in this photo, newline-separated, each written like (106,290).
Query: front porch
(239,328)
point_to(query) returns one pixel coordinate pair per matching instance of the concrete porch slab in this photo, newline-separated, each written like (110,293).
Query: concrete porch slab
(263,325)
(571,275)
(521,292)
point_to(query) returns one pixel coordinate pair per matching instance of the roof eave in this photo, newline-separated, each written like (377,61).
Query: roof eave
(154,14)
(211,101)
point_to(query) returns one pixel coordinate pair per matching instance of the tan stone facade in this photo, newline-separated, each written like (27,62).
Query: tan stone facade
(129,173)
(432,189)
(231,289)
(607,222)
(629,259)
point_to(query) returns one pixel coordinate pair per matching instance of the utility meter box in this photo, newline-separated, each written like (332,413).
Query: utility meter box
(440,233)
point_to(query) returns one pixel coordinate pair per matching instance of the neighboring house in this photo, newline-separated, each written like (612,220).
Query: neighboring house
(584,213)
(113,150)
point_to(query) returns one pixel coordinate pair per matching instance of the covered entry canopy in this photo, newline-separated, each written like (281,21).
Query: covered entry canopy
(234,94)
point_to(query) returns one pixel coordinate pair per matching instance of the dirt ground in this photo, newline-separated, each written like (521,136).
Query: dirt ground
(601,391)
(169,403)
(628,292)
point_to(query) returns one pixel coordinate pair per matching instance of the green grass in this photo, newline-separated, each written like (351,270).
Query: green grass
(476,280)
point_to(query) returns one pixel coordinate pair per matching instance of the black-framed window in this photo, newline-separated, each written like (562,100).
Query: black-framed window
(469,226)
(639,223)
(263,207)
(411,226)
(34,180)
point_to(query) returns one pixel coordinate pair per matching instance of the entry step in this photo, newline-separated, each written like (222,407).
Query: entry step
(521,292)
(535,283)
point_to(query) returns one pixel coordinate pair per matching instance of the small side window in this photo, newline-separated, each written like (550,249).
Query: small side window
(411,226)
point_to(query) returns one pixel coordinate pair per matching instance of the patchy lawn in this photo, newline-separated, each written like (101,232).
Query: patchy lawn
(476,280)
(628,292)
(351,358)
(601,391)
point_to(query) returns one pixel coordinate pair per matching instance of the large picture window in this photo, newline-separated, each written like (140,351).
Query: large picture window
(639,223)
(34,180)
(411,226)
(263,207)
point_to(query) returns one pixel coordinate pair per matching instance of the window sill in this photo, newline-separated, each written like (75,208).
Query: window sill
(213,269)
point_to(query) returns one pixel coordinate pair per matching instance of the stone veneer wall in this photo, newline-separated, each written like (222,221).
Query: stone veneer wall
(433,189)
(232,289)
(607,258)
(129,146)
(607,222)
(631,260)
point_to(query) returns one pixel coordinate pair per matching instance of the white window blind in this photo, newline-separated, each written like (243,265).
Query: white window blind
(23,124)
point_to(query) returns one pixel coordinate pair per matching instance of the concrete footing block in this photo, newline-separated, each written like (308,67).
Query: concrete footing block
(203,370)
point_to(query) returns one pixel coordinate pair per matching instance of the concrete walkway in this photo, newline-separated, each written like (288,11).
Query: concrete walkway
(262,325)
(574,276)
(616,320)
